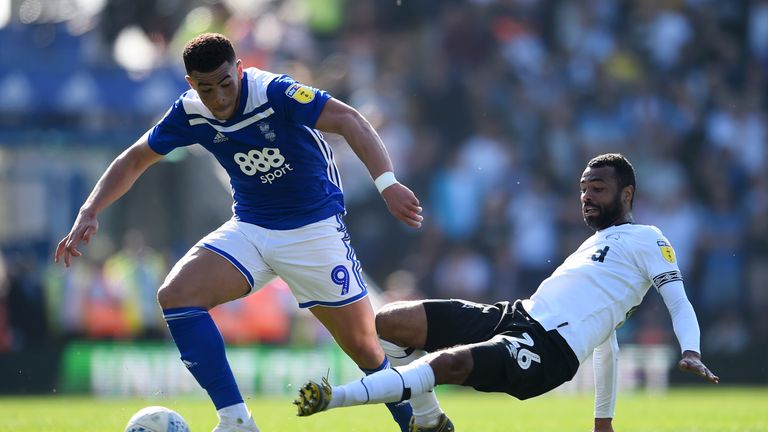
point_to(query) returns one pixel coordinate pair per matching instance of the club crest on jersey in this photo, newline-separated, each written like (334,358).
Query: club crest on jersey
(269,134)
(666,251)
(300,93)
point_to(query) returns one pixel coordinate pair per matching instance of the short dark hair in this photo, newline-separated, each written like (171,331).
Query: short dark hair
(625,172)
(208,51)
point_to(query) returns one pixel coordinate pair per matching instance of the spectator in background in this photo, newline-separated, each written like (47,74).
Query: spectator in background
(756,251)
(134,273)
(26,305)
(532,215)
(486,156)
(720,245)
(599,124)
(104,311)
(463,273)
(738,128)
(729,333)
(6,335)
(457,196)
(401,285)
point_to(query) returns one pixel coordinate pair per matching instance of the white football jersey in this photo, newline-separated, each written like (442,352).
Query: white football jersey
(602,283)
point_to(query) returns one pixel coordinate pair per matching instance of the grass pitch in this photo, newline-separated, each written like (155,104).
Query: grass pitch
(700,409)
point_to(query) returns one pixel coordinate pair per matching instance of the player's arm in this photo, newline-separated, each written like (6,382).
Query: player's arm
(338,117)
(686,329)
(605,359)
(116,181)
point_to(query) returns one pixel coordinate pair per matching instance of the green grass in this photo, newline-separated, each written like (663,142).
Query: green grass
(710,409)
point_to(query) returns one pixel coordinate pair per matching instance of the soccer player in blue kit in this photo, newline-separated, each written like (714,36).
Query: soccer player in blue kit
(288,207)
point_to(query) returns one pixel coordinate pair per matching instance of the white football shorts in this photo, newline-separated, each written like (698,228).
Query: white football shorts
(316,260)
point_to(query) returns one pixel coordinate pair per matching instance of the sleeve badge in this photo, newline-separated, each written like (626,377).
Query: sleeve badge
(666,251)
(300,93)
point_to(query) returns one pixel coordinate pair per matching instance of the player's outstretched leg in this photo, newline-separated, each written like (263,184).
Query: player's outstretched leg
(401,411)
(361,343)
(427,413)
(313,398)
(402,328)
(388,385)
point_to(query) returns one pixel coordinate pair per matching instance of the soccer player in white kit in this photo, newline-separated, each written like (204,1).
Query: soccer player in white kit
(529,347)
(263,129)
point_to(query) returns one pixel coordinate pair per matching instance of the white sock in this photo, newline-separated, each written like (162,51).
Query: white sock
(339,396)
(233,412)
(389,385)
(426,408)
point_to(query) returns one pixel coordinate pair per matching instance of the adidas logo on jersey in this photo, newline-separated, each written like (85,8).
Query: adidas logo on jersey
(220,137)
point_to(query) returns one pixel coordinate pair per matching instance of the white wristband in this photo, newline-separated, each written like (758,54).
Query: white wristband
(385,180)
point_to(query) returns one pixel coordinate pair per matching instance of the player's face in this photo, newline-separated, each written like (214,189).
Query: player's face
(219,89)
(601,198)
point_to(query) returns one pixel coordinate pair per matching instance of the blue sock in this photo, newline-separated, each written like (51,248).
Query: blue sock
(202,351)
(401,411)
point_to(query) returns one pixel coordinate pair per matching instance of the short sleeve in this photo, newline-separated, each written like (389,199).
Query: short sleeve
(657,258)
(172,131)
(297,102)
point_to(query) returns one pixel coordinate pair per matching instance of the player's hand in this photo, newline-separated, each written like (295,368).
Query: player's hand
(603,425)
(691,362)
(403,204)
(84,228)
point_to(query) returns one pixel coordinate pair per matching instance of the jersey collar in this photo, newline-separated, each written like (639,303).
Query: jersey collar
(243,94)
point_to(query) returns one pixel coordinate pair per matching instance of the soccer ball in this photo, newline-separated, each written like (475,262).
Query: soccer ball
(156,419)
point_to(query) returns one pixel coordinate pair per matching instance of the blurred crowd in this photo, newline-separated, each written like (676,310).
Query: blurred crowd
(490,110)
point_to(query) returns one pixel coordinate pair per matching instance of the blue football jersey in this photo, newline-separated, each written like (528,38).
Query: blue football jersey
(281,170)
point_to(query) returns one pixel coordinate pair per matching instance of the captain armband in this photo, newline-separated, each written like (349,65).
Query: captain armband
(666,277)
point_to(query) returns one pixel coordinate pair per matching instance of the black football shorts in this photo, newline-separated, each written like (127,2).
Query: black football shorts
(512,352)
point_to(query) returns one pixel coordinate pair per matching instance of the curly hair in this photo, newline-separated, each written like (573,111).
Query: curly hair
(208,51)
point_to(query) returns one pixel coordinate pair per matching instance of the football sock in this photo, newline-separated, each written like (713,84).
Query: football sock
(426,408)
(234,414)
(202,351)
(234,411)
(389,385)
(400,410)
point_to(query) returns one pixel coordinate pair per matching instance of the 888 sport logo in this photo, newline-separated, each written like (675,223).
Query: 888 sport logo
(263,161)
